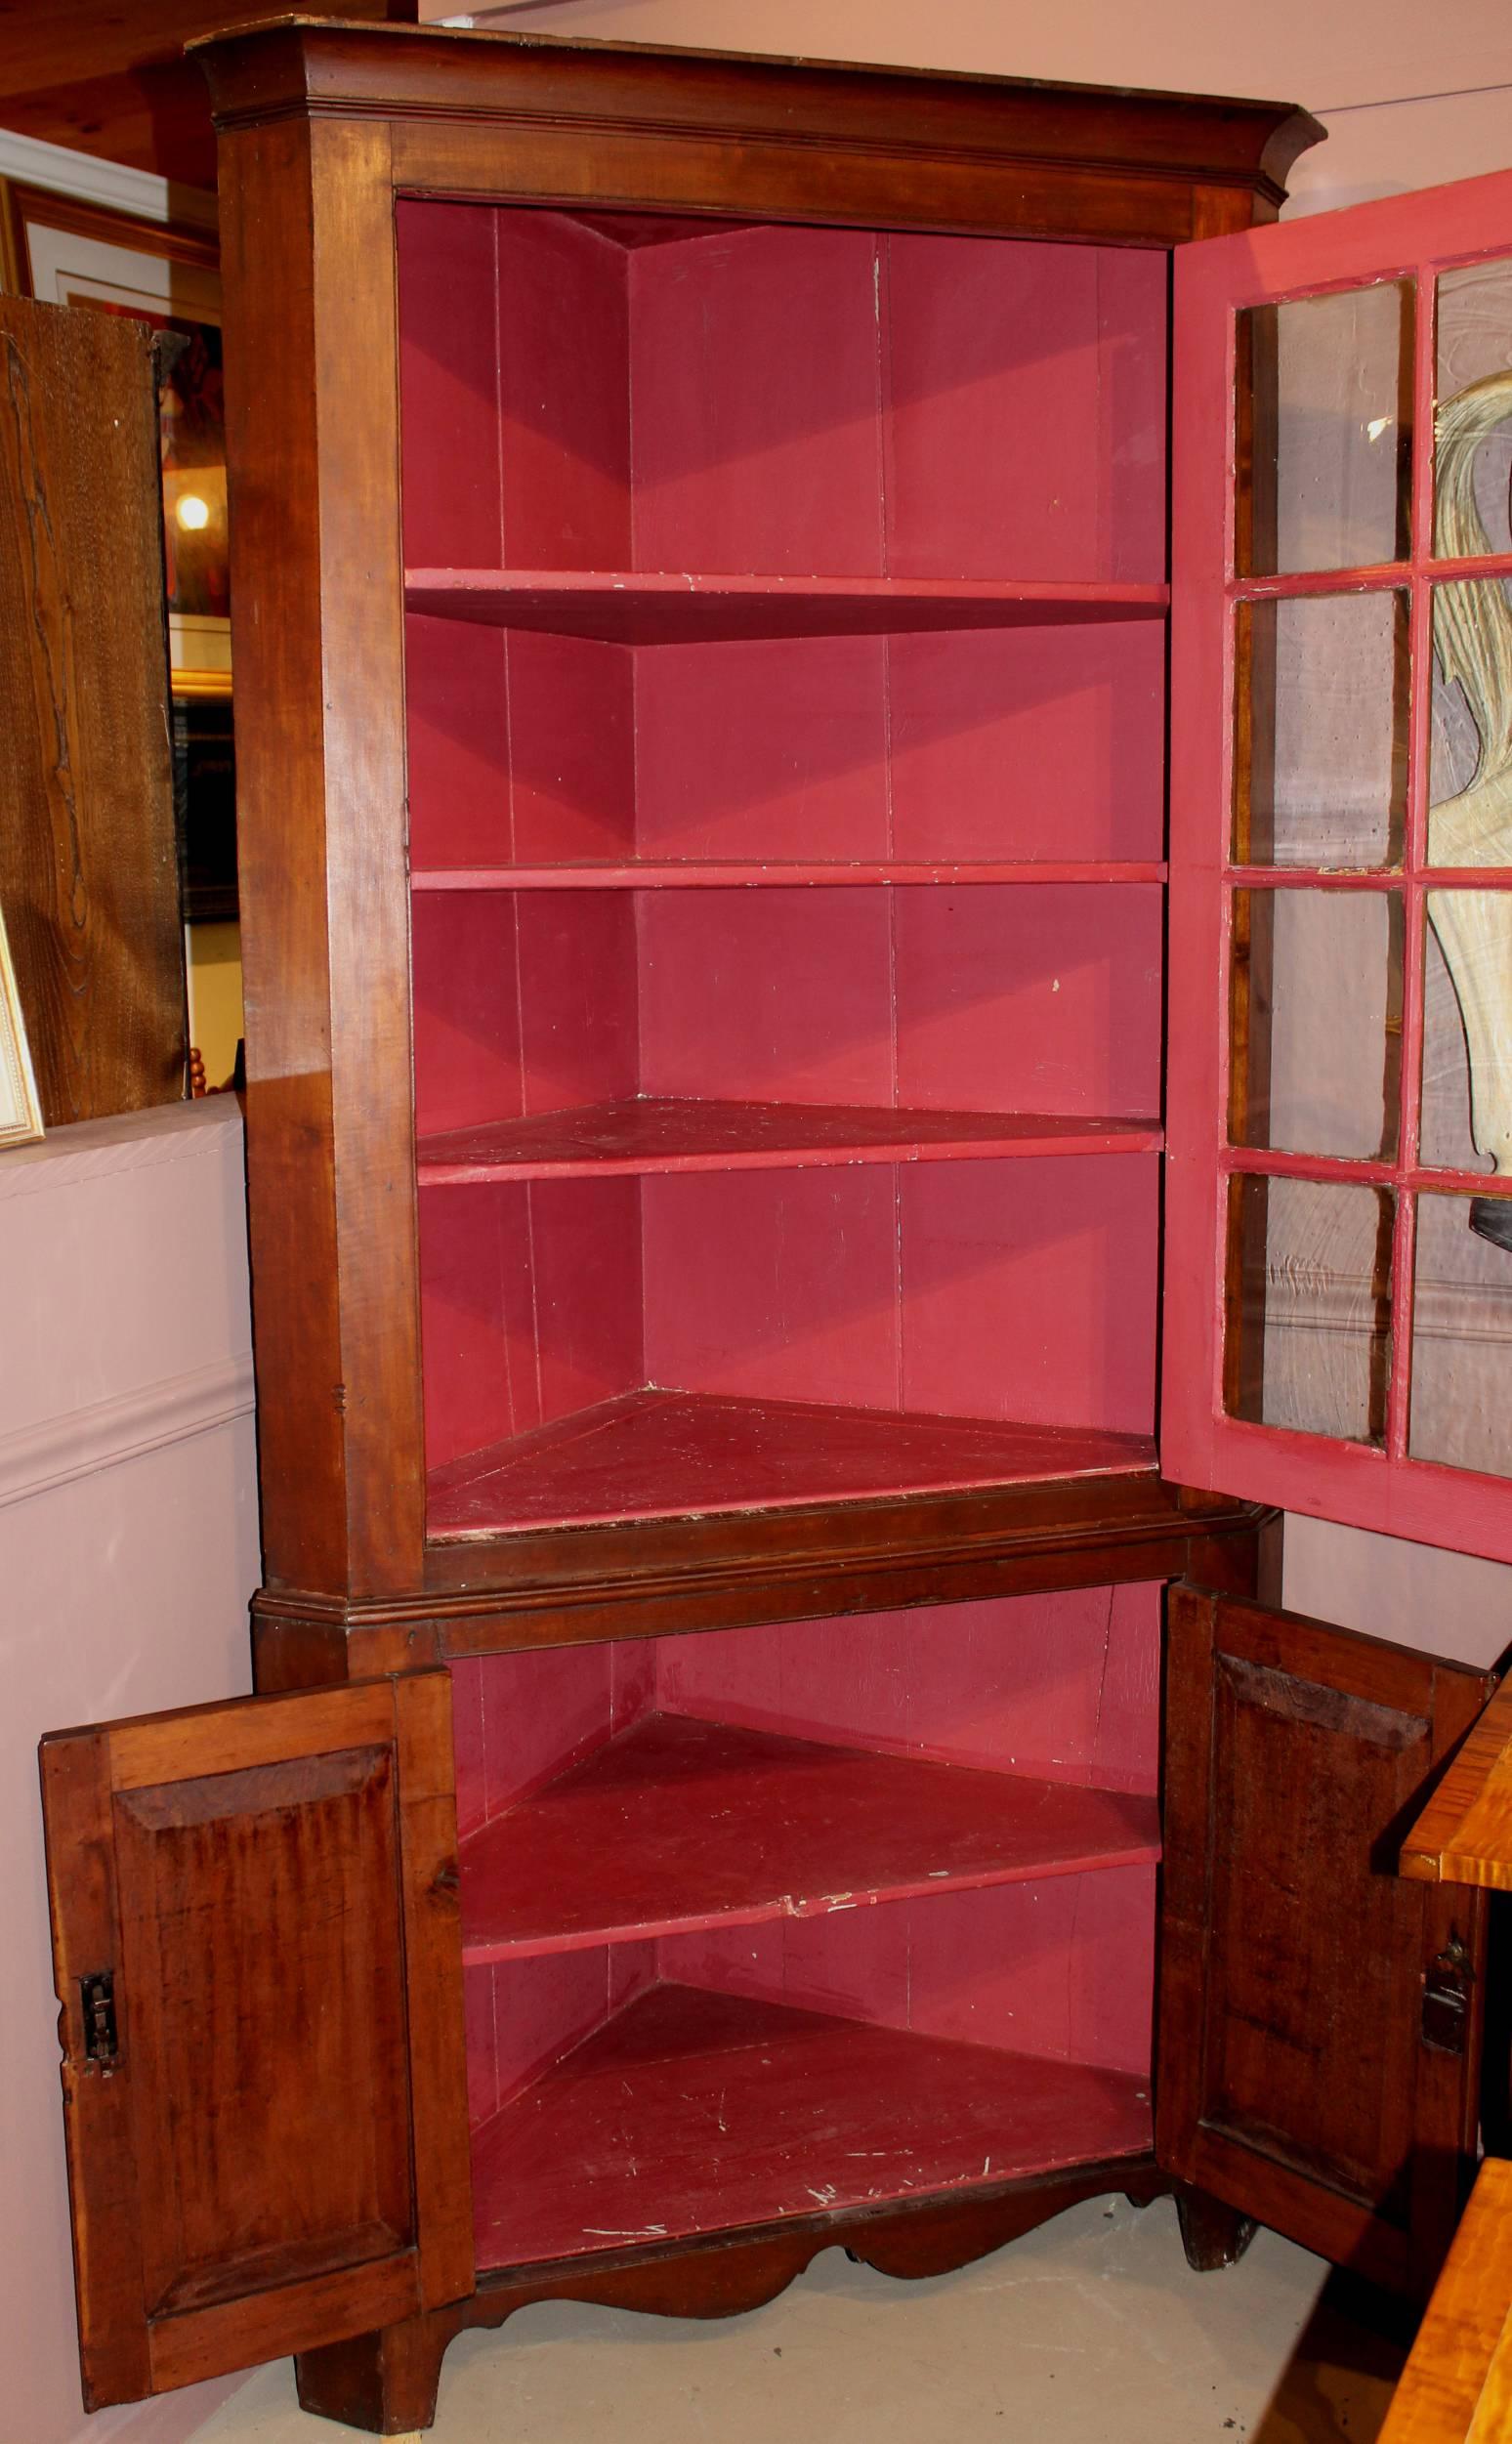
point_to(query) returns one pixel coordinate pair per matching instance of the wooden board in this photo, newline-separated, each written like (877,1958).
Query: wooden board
(695,2111)
(265,1883)
(647,1452)
(677,1133)
(679,1824)
(1305,2078)
(1456,2388)
(1464,1834)
(89,878)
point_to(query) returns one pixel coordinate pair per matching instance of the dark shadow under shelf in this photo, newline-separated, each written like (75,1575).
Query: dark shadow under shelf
(669,1133)
(633,607)
(652,1454)
(681,1823)
(690,2111)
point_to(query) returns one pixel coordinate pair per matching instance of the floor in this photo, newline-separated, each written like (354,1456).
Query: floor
(1092,2330)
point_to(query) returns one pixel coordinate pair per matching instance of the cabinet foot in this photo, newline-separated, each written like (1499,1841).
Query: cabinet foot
(383,2383)
(1212,2234)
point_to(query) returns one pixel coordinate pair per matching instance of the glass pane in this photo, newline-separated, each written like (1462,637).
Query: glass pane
(1470,764)
(1461,1325)
(1322,749)
(1467,1030)
(1316,1002)
(1473,435)
(1325,430)
(1309,1326)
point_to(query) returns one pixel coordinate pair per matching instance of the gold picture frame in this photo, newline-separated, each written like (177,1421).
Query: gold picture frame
(21,1107)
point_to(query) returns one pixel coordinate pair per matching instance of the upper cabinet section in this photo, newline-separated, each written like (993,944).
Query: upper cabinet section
(666,398)
(1342,1073)
(700,480)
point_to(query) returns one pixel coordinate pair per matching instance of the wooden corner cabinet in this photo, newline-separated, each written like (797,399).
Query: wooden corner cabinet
(728,1774)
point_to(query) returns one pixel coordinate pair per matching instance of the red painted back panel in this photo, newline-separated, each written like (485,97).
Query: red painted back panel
(776,749)
(1029,1290)
(755,375)
(1042,999)
(448,384)
(1061,1686)
(564,386)
(768,994)
(1028,742)
(523,1002)
(781,1284)
(530,1306)
(1065,1969)
(1027,426)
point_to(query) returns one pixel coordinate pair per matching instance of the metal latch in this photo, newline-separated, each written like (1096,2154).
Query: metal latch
(1446,1998)
(98,1994)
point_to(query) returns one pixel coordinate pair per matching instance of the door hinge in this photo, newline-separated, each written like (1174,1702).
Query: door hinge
(98,1994)
(1446,1998)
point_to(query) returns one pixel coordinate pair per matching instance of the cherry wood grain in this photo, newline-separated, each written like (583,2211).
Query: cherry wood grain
(1456,2388)
(109,78)
(1299,2082)
(89,876)
(678,1823)
(188,1857)
(726,134)
(1464,1834)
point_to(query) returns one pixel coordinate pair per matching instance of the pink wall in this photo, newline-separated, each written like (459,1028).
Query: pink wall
(128,1551)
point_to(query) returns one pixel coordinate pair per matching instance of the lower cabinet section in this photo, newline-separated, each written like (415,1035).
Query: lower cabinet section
(754,1941)
(806,1918)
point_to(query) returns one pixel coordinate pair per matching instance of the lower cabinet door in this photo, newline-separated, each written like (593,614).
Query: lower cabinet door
(1319,2018)
(258,1955)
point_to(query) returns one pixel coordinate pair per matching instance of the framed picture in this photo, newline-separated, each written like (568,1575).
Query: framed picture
(69,252)
(20,1111)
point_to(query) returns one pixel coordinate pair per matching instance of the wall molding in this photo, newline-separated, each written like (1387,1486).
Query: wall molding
(68,173)
(82,1442)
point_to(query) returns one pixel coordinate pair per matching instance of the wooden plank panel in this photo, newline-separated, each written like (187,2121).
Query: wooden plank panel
(433,1970)
(1464,1834)
(89,878)
(283,1961)
(1456,2388)
(1299,2078)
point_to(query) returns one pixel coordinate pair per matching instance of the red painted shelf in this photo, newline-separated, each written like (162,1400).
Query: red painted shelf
(625,607)
(676,1133)
(714,874)
(680,1823)
(692,2111)
(652,1454)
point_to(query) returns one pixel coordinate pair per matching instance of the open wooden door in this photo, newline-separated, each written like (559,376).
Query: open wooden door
(258,1955)
(1320,2017)
(1339,1187)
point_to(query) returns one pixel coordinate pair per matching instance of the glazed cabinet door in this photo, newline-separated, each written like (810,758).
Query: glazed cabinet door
(258,1956)
(1339,1207)
(1319,2018)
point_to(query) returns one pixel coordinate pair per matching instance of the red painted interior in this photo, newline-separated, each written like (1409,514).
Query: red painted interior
(886,513)
(990,2015)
